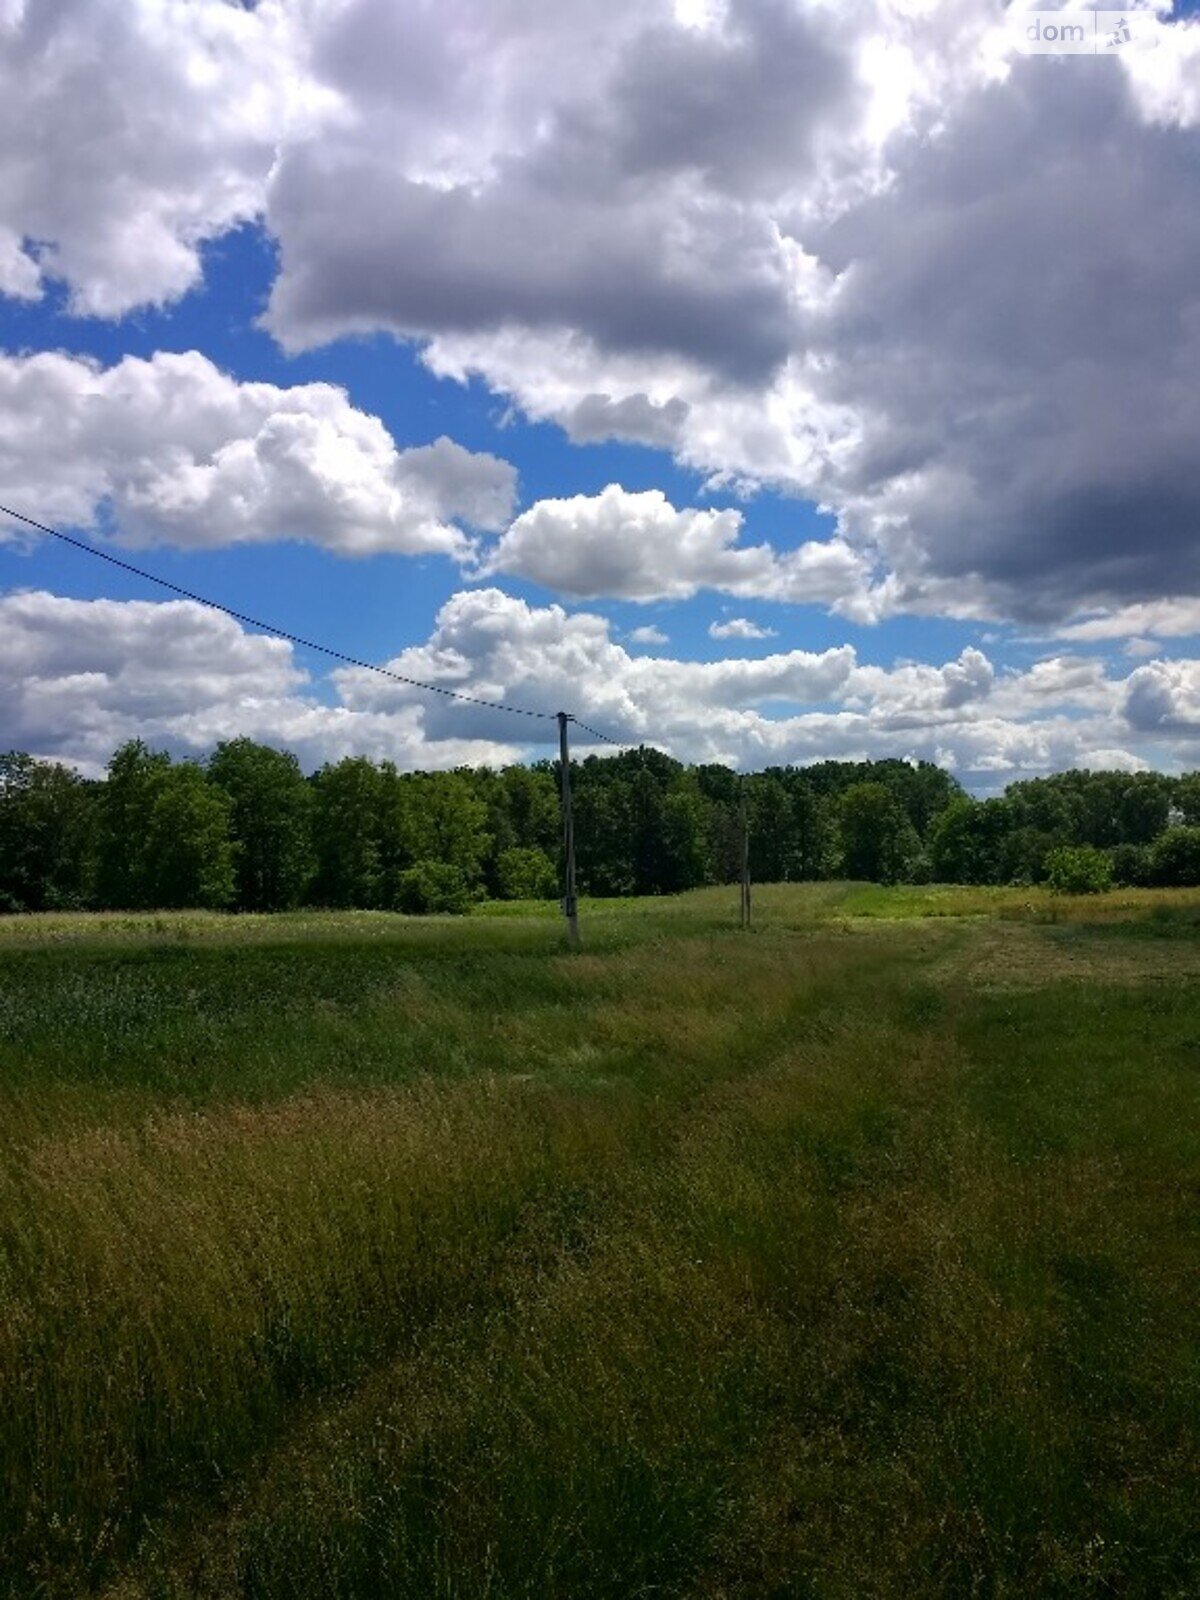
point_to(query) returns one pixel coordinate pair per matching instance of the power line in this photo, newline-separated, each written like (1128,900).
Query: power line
(596,734)
(570,902)
(282,633)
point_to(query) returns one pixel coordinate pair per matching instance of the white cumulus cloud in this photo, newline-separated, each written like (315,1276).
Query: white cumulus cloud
(78,677)
(739,628)
(131,131)
(178,452)
(638,546)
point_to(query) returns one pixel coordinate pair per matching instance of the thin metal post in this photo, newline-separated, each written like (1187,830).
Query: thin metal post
(745,904)
(570,903)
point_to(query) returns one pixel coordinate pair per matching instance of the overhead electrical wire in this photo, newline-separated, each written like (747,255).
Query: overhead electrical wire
(596,734)
(293,638)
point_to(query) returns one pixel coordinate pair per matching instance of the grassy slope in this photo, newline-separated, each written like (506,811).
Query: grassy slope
(352,1256)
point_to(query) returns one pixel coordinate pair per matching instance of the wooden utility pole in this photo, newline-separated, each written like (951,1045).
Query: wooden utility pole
(745,914)
(570,904)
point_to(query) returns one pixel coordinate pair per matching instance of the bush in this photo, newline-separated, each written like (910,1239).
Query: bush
(1175,858)
(1130,865)
(1078,869)
(526,875)
(431,886)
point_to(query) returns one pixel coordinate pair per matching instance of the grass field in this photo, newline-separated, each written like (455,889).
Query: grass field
(348,1256)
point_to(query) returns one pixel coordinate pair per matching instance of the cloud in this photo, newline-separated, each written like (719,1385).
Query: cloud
(739,628)
(854,251)
(131,131)
(638,546)
(795,706)
(1027,430)
(598,417)
(992,324)
(1163,697)
(969,678)
(1164,619)
(639,147)
(916,694)
(488,644)
(78,677)
(173,451)
(20,278)
(648,635)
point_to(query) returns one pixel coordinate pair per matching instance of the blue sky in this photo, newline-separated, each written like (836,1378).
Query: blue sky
(916,316)
(374,606)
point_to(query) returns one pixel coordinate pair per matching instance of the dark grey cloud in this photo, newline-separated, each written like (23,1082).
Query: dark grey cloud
(976,342)
(744,107)
(1019,328)
(626,209)
(635,416)
(364,248)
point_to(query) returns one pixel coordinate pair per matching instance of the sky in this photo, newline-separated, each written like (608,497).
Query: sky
(765,380)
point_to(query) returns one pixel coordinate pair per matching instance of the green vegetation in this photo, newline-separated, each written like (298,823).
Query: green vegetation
(248,831)
(1078,869)
(346,1255)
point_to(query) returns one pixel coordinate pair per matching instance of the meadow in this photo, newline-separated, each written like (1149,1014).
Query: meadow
(350,1255)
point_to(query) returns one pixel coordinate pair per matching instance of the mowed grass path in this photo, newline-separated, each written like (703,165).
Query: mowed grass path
(353,1256)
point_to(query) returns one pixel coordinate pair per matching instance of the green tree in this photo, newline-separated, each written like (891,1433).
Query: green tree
(522,812)
(1098,799)
(531,798)
(1145,807)
(922,788)
(1185,799)
(686,833)
(442,818)
(644,824)
(271,819)
(189,849)
(966,841)
(813,847)
(349,798)
(721,789)
(121,871)
(772,828)
(604,824)
(664,834)
(1023,855)
(1130,865)
(45,815)
(1046,806)
(878,842)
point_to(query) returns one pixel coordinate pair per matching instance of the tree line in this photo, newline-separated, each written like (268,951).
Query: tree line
(248,830)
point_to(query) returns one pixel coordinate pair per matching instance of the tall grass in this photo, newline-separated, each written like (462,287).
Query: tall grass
(432,1261)
(829,1339)
(173,1287)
